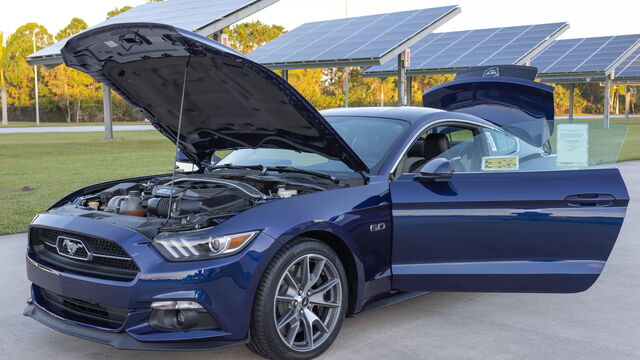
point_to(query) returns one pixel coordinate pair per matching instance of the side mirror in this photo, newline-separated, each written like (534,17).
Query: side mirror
(436,169)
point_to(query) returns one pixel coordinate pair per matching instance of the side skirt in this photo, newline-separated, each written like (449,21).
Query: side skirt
(392,299)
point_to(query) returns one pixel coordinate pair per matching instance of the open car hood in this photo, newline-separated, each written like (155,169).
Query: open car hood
(504,95)
(230,102)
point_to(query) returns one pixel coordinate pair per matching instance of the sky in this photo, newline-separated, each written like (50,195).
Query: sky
(587,17)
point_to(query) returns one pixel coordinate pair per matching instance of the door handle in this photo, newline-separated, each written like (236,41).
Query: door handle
(590,200)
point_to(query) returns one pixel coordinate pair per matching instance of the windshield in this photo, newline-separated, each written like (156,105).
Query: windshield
(371,139)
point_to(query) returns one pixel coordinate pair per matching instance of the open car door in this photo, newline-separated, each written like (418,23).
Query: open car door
(510,217)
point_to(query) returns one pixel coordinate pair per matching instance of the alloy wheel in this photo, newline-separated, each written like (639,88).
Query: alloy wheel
(307,302)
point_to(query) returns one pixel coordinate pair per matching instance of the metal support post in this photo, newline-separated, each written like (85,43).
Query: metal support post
(346,87)
(572,87)
(627,103)
(409,90)
(607,100)
(402,74)
(108,124)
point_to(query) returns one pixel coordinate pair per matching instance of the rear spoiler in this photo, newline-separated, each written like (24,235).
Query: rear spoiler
(510,71)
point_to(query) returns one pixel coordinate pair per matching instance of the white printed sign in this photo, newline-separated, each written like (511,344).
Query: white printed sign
(573,145)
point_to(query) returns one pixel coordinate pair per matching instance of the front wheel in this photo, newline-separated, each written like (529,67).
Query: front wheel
(301,302)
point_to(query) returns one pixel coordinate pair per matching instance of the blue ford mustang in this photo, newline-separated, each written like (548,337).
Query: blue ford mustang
(298,218)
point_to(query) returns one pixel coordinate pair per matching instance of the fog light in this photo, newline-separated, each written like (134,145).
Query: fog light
(180,316)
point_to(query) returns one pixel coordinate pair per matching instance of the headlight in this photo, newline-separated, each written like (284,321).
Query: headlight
(197,246)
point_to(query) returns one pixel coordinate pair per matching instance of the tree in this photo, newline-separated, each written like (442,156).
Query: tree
(118,11)
(66,85)
(246,37)
(312,84)
(19,80)
(561,100)
(4,67)
(75,26)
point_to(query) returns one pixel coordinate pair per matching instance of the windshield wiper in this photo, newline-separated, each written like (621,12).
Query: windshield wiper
(292,169)
(263,170)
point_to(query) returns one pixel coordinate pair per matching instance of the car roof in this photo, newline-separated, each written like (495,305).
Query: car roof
(407,113)
(417,116)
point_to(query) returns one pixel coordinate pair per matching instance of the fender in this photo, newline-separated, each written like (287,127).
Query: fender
(359,208)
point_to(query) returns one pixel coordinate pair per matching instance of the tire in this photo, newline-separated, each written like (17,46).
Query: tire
(279,301)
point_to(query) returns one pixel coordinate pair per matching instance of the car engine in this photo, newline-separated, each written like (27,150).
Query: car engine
(191,202)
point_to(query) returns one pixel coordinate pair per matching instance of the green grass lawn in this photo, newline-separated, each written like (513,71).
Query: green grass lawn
(38,169)
(33,123)
(631,147)
(611,142)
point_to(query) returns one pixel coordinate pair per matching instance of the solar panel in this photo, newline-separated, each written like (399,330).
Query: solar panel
(365,39)
(587,55)
(203,16)
(450,51)
(630,67)
(185,14)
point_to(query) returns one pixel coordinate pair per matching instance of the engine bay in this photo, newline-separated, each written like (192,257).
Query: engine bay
(190,202)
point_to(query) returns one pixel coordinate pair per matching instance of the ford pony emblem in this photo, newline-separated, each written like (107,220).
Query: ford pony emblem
(72,248)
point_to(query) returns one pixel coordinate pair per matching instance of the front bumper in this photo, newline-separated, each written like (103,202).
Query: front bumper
(120,340)
(223,287)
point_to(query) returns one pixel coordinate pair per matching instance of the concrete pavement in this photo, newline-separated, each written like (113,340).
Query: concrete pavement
(603,322)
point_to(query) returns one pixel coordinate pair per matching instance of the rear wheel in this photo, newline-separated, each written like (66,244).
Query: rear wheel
(301,302)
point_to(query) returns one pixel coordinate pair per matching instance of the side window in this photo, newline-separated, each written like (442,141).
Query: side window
(459,138)
(500,143)
(470,149)
(465,151)
(450,141)
(489,150)
(523,147)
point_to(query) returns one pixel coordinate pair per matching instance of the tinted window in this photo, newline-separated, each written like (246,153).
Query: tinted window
(483,149)
(448,140)
(500,143)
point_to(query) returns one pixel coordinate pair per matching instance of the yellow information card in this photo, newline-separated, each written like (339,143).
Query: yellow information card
(493,163)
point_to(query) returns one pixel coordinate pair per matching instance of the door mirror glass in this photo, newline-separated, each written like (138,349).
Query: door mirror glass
(436,169)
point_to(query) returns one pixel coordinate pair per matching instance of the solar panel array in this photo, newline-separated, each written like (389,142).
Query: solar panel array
(630,67)
(587,55)
(440,52)
(186,14)
(365,37)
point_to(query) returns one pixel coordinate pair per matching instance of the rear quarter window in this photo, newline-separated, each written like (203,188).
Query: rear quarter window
(500,143)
